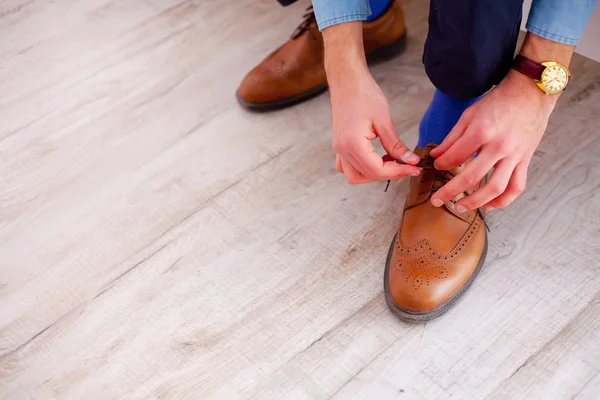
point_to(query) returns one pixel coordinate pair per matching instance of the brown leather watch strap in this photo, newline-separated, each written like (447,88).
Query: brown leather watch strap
(528,67)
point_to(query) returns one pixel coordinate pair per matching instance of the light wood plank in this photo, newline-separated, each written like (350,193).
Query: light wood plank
(156,241)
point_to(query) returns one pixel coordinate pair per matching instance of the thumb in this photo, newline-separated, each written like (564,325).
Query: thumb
(392,143)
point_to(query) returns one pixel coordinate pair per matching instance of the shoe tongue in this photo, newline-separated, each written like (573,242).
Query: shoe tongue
(425,182)
(425,150)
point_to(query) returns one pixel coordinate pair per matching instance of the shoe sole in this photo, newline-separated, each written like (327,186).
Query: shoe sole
(410,316)
(375,56)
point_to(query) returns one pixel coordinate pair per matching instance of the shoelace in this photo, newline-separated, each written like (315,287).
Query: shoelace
(427,163)
(307,19)
(442,177)
(438,175)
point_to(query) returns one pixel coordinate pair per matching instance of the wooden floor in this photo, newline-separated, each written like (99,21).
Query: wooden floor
(158,242)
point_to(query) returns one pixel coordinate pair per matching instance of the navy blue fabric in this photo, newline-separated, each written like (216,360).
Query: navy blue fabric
(471,44)
(286,2)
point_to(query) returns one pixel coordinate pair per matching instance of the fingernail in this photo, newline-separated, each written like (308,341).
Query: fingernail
(460,208)
(416,173)
(437,202)
(409,156)
(489,208)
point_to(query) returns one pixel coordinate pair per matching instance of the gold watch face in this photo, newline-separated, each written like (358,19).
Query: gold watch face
(554,78)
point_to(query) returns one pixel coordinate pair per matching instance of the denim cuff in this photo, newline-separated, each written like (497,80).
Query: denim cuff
(561,21)
(330,12)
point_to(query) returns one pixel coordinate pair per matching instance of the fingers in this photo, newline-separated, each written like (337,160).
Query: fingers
(515,187)
(338,164)
(387,170)
(370,165)
(493,188)
(366,160)
(455,134)
(392,143)
(355,150)
(459,152)
(352,175)
(467,179)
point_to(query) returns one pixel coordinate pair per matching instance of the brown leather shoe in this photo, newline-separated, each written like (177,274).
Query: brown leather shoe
(295,71)
(437,252)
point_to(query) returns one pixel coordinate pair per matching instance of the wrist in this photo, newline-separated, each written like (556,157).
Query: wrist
(344,53)
(540,49)
(517,85)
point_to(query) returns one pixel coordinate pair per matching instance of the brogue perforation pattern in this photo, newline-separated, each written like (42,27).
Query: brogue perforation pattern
(415,260)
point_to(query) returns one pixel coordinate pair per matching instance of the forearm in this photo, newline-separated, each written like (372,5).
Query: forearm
(554,28)
(344,53)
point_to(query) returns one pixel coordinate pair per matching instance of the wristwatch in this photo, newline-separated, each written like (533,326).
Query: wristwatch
(550,76)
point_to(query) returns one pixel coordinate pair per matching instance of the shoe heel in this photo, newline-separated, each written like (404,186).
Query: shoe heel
(387,51)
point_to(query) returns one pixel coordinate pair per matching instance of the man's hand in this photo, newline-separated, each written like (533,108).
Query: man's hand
(360,112)
(504,129)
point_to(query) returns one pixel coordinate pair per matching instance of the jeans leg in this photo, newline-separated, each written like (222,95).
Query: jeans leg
(470,44)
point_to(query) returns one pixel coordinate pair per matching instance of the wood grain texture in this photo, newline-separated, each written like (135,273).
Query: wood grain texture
(158,242)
